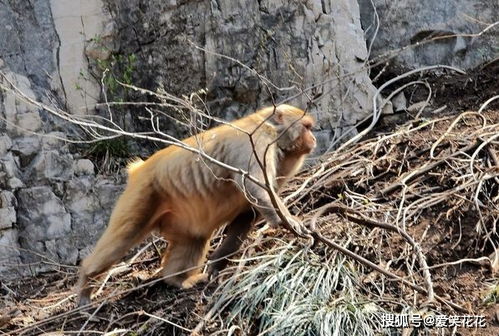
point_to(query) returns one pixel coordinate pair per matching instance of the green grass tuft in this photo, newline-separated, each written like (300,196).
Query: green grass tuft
(294,291)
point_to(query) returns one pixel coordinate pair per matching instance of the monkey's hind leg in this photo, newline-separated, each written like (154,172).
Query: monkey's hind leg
(236,233)
(110,249)
(185,255)
(129,224)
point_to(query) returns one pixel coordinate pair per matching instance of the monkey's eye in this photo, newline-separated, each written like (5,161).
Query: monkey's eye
(308,126)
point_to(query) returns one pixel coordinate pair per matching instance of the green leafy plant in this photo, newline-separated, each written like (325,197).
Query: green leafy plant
(116,148)
(492,295)
(115,70)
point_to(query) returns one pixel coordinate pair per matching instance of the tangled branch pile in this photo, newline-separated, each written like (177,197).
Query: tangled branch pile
(427,200)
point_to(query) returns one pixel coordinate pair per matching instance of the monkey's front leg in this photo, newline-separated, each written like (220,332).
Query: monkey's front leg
(260,198)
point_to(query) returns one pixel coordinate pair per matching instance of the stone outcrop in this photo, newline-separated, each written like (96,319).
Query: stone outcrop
(52,203)
(248,53)
(409,22)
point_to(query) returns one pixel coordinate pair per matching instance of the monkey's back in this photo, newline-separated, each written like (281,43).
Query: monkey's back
(191,186)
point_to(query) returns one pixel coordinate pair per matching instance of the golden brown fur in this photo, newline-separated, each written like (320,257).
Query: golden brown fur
(186,197)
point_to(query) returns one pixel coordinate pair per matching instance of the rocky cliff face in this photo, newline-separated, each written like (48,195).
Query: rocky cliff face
(52,204)
(245,54)
(451,32)
(248,53)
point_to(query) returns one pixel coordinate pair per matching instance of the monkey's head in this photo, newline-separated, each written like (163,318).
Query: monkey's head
(294,129)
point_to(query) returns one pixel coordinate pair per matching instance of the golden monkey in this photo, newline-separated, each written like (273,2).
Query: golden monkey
(186,197)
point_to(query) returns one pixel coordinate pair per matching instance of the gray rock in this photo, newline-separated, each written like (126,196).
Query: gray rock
(29,42)
(7,217)
(22,118)
(5,144)
(387,107)
(399,102)
(78,24)
(90,202)
(58,188)
(15,183)
(29,121)
(42,215)
(44,229)
(10,172)
(312,45)
(84,167)
(10,165)
(79,197)
(7,199)
(53,140)
(407,22)
(9,250)
(26,147)
(63,250)
(52,166)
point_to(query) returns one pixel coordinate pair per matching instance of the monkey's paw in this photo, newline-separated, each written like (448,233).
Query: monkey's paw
(83,301)
(294,225)
(193,280)
(215,268)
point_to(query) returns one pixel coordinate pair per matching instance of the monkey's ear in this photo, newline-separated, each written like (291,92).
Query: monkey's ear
(278,116)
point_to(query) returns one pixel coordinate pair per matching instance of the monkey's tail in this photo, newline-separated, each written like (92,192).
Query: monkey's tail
(132,219)
(130,222)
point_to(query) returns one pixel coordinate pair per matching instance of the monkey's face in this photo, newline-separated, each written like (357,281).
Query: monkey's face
(308,138)
(298,138)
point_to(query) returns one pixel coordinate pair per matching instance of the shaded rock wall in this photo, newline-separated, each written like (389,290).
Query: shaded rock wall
(407,22)
(52,203)
(224,45)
